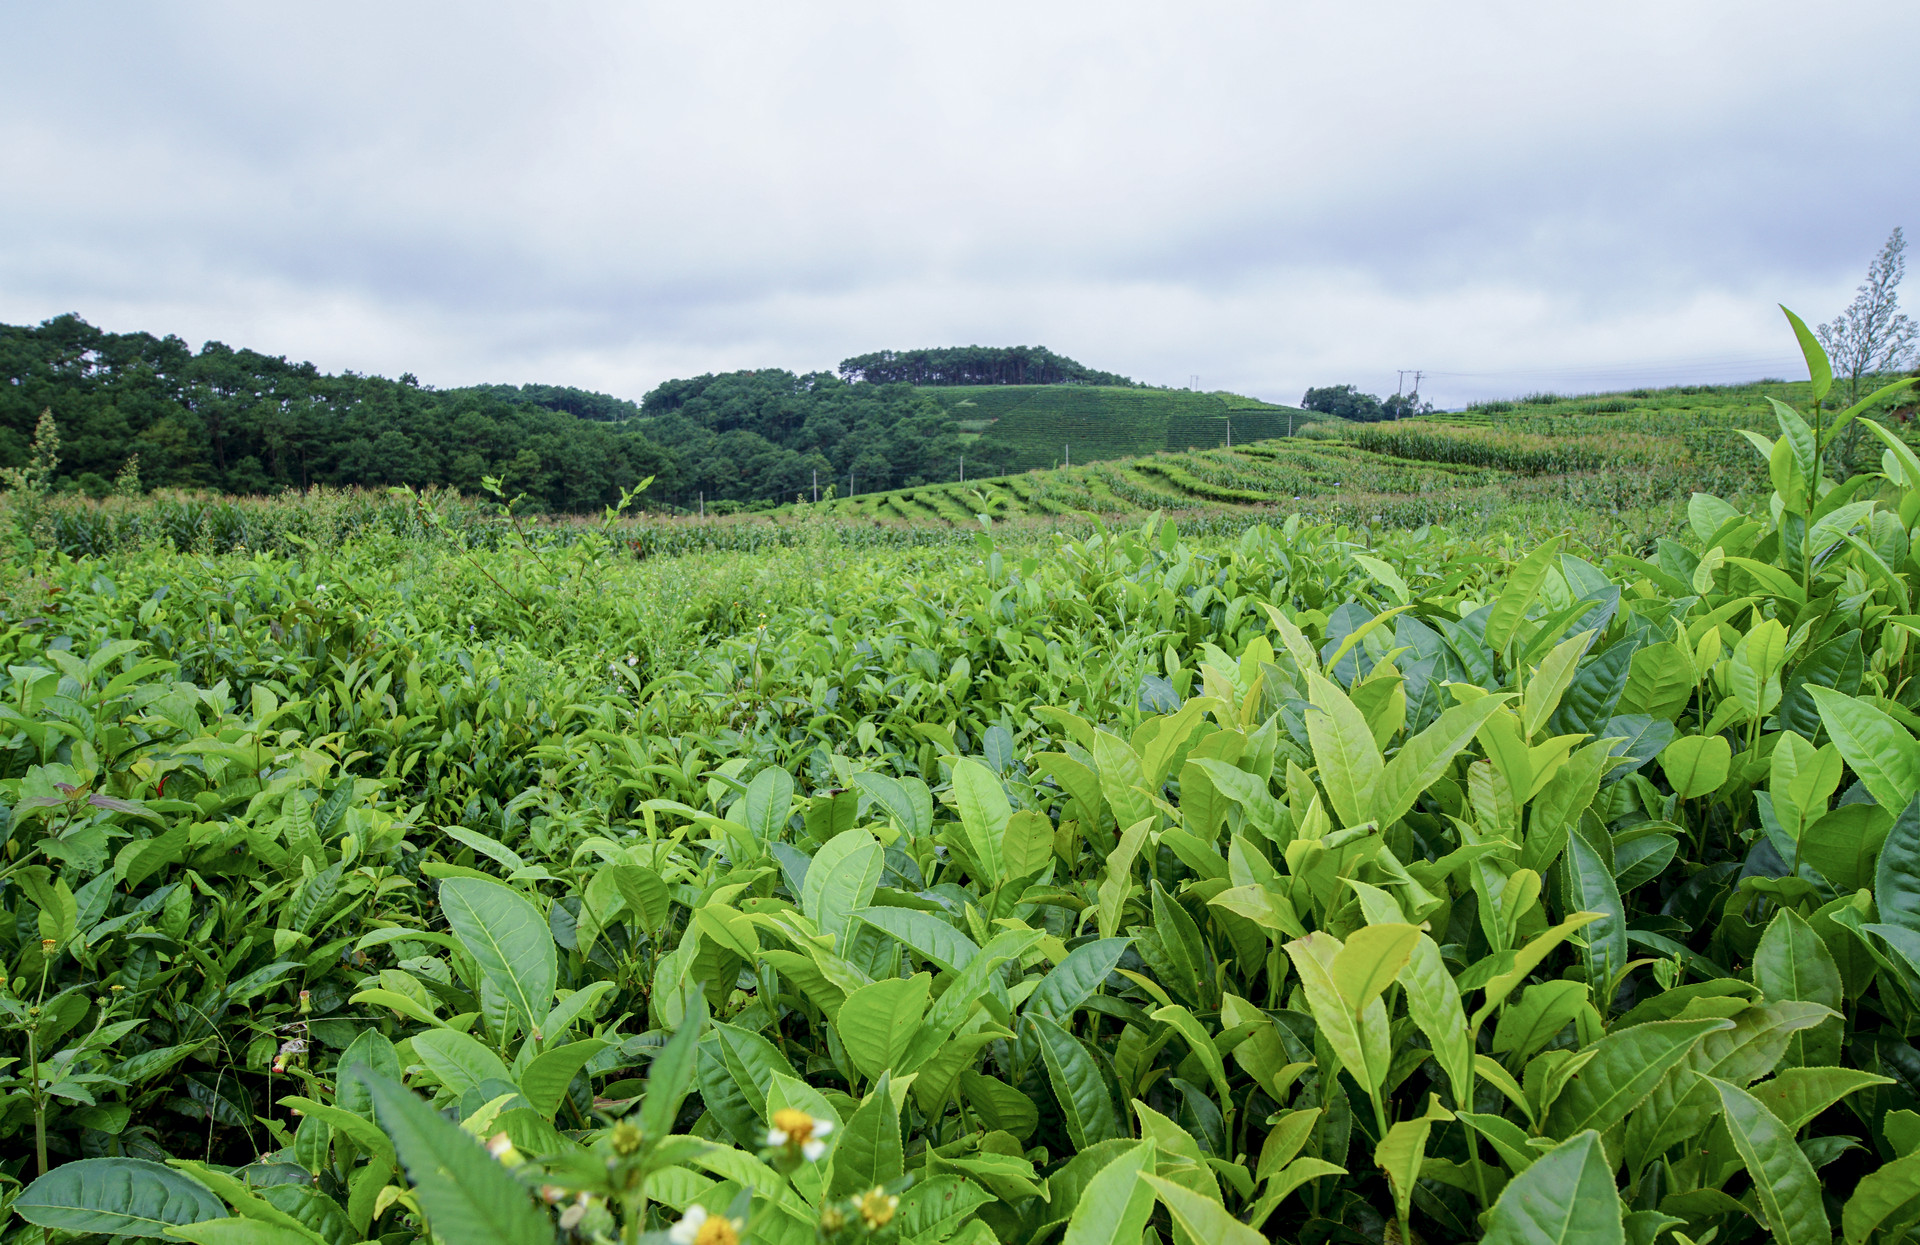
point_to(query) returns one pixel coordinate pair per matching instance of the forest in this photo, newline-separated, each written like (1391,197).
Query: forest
(742,436)
(976,365)
(241,422)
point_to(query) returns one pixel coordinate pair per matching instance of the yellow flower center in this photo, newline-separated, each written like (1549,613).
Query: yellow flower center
(797,1125)
(716,1231)
(877,1209)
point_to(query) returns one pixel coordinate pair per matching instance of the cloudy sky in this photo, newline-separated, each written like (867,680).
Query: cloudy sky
(1510,196)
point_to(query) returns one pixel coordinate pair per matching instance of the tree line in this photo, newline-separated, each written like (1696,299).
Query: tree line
(242,422)
(739,437)
(1347,402)
(975,365)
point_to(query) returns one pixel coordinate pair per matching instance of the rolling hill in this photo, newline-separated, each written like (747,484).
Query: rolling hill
(1048,425)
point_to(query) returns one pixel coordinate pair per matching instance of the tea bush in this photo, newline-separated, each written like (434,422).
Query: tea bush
(1297,881)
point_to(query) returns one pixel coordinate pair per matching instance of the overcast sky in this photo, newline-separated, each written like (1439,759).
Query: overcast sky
(1511,196)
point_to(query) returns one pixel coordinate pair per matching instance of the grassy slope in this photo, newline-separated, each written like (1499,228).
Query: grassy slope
(1041,422)
(1604,452)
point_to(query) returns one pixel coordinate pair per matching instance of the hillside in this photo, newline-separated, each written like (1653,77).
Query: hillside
(1047,425)
(1605,451)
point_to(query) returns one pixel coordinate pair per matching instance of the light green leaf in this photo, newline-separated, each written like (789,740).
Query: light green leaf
(1877,748)
(984,813)
(878,1021)
(1343,748)
(544,1083)
(1523,584)
(239,1231)
(1697,765)
(1202,1218)
(1819,370)
(1422,760)
(1027,844)
(509,939)
(1788,1187)
(1114,1208)
(841,880)
(457,1060)
(1433,1001)
(1566,1197)
(1122,779)
(1402,1151)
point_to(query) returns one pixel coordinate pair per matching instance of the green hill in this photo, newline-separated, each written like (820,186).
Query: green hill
(1044,425)
(1607,452)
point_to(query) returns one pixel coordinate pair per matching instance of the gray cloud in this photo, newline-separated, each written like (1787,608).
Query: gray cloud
(1267,195)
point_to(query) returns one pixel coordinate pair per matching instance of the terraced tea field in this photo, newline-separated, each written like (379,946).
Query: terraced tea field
(1047,424)
(1611,452)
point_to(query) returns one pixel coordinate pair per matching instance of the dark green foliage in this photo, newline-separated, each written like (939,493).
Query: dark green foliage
(236,421)
(974,365)
(772,435)
(1344,402)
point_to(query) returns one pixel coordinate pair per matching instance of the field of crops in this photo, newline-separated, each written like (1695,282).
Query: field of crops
(387,871)
(1045,425)
(1610,454)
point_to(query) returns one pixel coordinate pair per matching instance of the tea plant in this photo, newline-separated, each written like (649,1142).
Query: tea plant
(1295,882)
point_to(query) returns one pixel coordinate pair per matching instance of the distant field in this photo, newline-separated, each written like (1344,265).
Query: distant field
(1047,424)
(1609,452)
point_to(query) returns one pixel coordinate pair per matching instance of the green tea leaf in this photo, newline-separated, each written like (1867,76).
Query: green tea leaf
(465,1194)
(1696,765)
(925,934)
(1896,879)
(1202,1218)
(869,1153)
(1625,1067)
(1344,749)
(1783,1179)
(842,879)
(1114,1207)
(1792,962)
(1879,1196)
(509,939)
(878,1021)
(1077,1083)
(1075,978)
(545,1081)
(1877,748)
(1566,1197)
(116,1197)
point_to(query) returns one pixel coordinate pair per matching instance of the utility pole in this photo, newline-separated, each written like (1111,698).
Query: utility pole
(703,503)
(1069,455)
(1229,431)
(1193,383)
(963,469)
(816,486)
